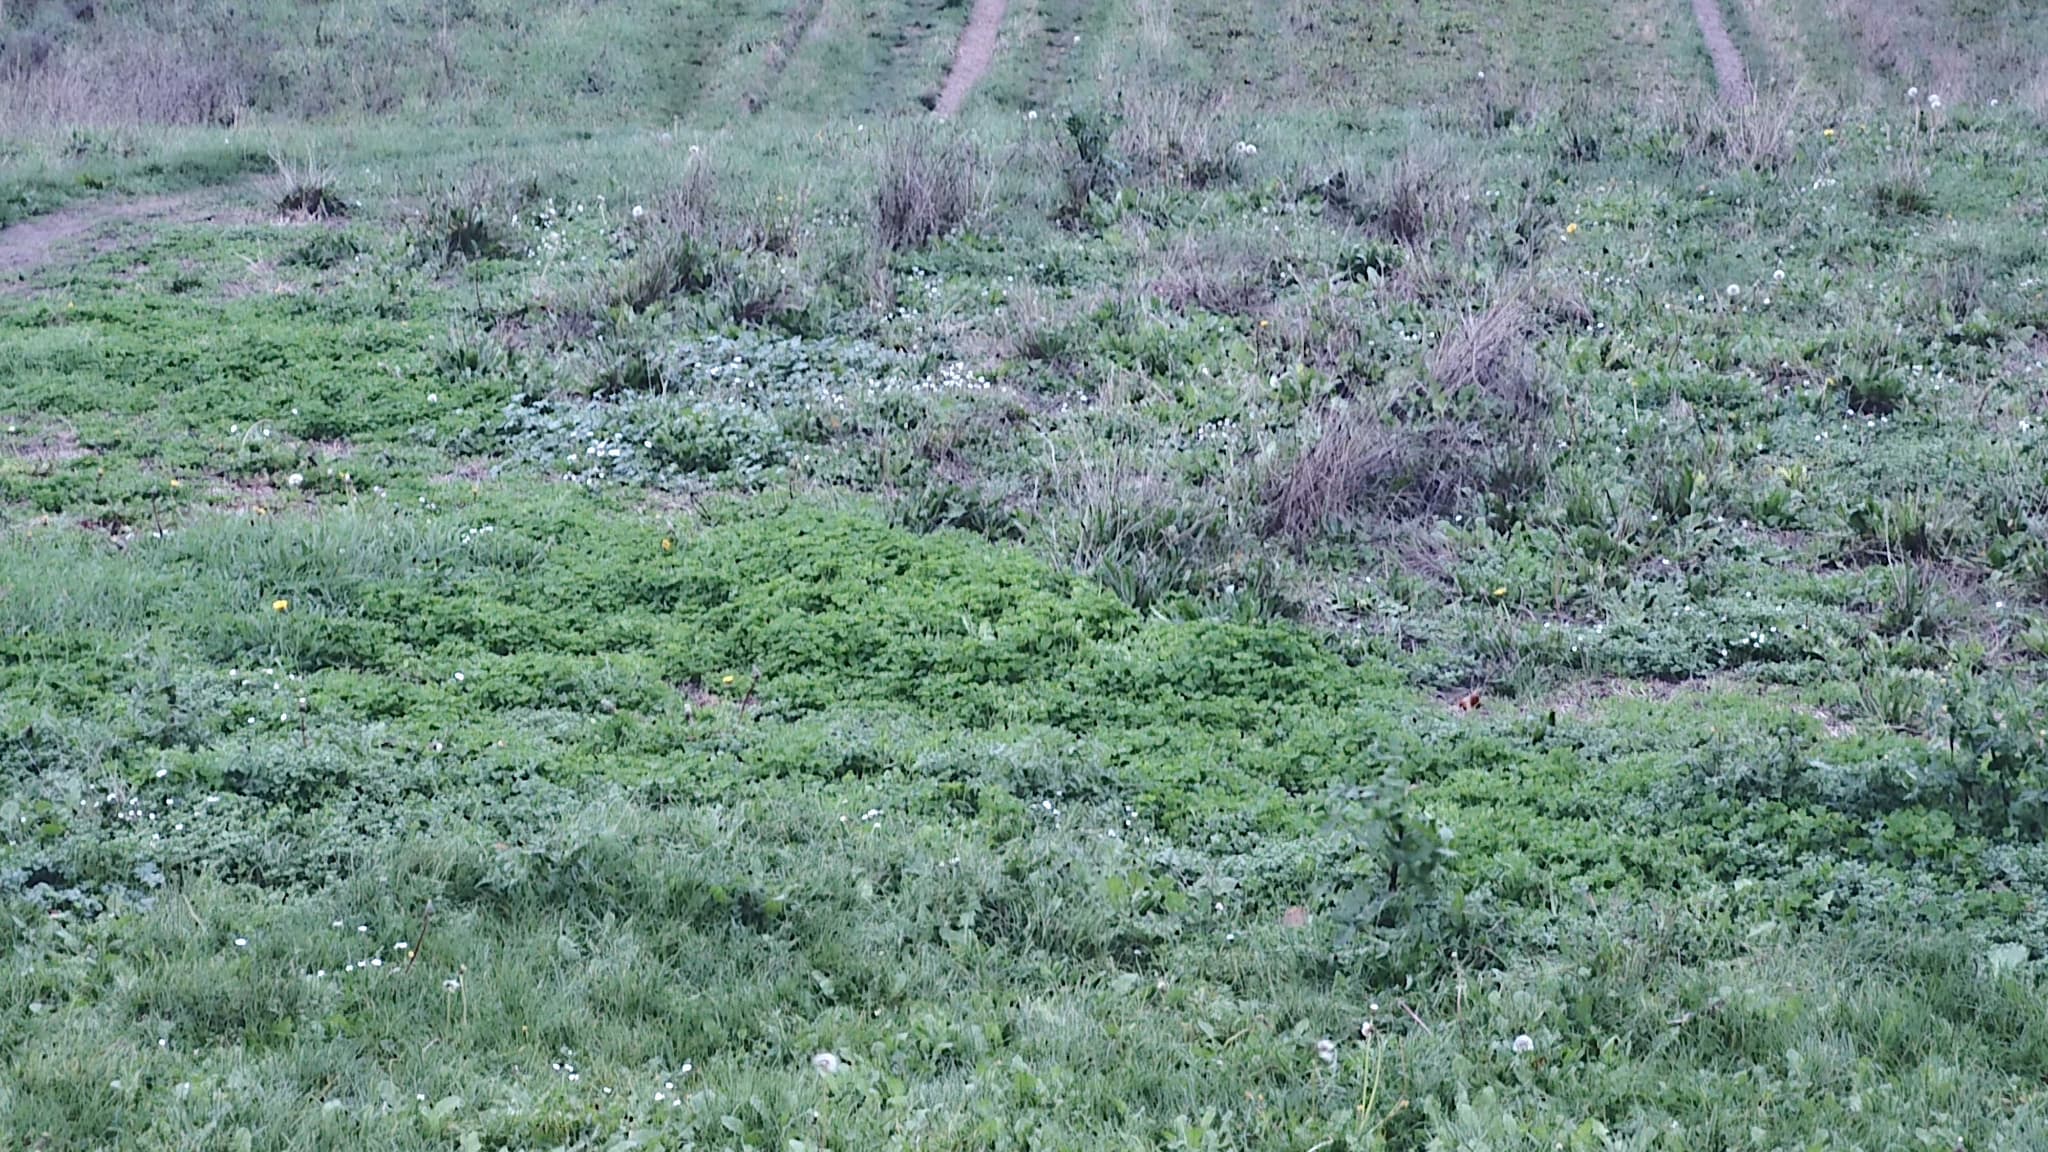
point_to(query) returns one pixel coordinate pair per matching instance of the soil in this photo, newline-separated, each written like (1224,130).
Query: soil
(1729,74)
(971,59)
(31,244)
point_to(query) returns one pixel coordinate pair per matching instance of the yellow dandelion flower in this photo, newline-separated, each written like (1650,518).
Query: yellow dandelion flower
(280,605)
(1828,133)
(668,544)
(177,483)
(1500,591)
(1572,229)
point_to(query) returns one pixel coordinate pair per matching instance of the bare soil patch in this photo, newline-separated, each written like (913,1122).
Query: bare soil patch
(1729,74)
(29,245)
(44,449)
(971,59)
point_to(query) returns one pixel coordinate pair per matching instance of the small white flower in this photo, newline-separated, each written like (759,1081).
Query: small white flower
(1734,290)
(1326,1050)
(1778,276)
(1523,1044)
(826,1063)
(1913,93)
(638,212)
(1031,115)
(433,398)
(241,942)
(294,480)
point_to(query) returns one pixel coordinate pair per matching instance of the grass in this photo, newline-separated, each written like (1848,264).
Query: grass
(1215,615)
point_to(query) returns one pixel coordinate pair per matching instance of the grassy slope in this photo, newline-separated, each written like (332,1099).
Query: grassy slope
(721,757)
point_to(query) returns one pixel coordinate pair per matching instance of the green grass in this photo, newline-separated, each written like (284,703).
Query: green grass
(507,670)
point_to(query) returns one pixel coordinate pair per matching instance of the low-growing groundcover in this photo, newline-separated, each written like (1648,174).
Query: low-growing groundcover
(1193,605)
(523,822)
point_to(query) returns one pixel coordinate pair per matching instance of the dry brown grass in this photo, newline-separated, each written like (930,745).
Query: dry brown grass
(1171,137)
(1229,273)
(1421,195)
(129,77)
(927,186)
(1756,137)
(1490,353)
(1358,456)
(1477,434)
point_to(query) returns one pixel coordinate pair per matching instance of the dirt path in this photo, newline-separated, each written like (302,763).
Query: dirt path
(1729,73)
(31,244)
(971,59)
(797,28)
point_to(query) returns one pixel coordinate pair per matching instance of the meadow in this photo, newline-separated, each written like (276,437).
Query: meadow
(1386,577)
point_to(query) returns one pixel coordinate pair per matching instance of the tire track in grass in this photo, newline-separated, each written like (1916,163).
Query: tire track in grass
(796,30)
(971,59)
(1729,74)
(29,245)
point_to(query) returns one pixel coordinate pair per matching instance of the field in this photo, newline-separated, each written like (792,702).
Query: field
(1294,577)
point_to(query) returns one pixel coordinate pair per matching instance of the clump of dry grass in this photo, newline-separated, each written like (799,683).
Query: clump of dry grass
(1490,353)
(1171,137)
(1358,456)
(1422,193)
(1755,137)
(1229,273)
(1419,195)
(927,186)
(305,190)
(1476,432)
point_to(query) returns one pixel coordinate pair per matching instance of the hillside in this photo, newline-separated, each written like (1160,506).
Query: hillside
(1442,575)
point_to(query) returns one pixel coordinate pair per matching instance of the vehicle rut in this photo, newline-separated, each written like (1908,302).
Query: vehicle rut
(1729,74)
(972,58)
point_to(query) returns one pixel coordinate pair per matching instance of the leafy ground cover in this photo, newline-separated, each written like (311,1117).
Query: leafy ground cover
(1166,613)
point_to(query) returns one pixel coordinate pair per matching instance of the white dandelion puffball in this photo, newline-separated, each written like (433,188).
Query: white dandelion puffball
(1734,290)
(294,480)
(1326,1050)
(827,1064)
(1523,1044)
(1934,101)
